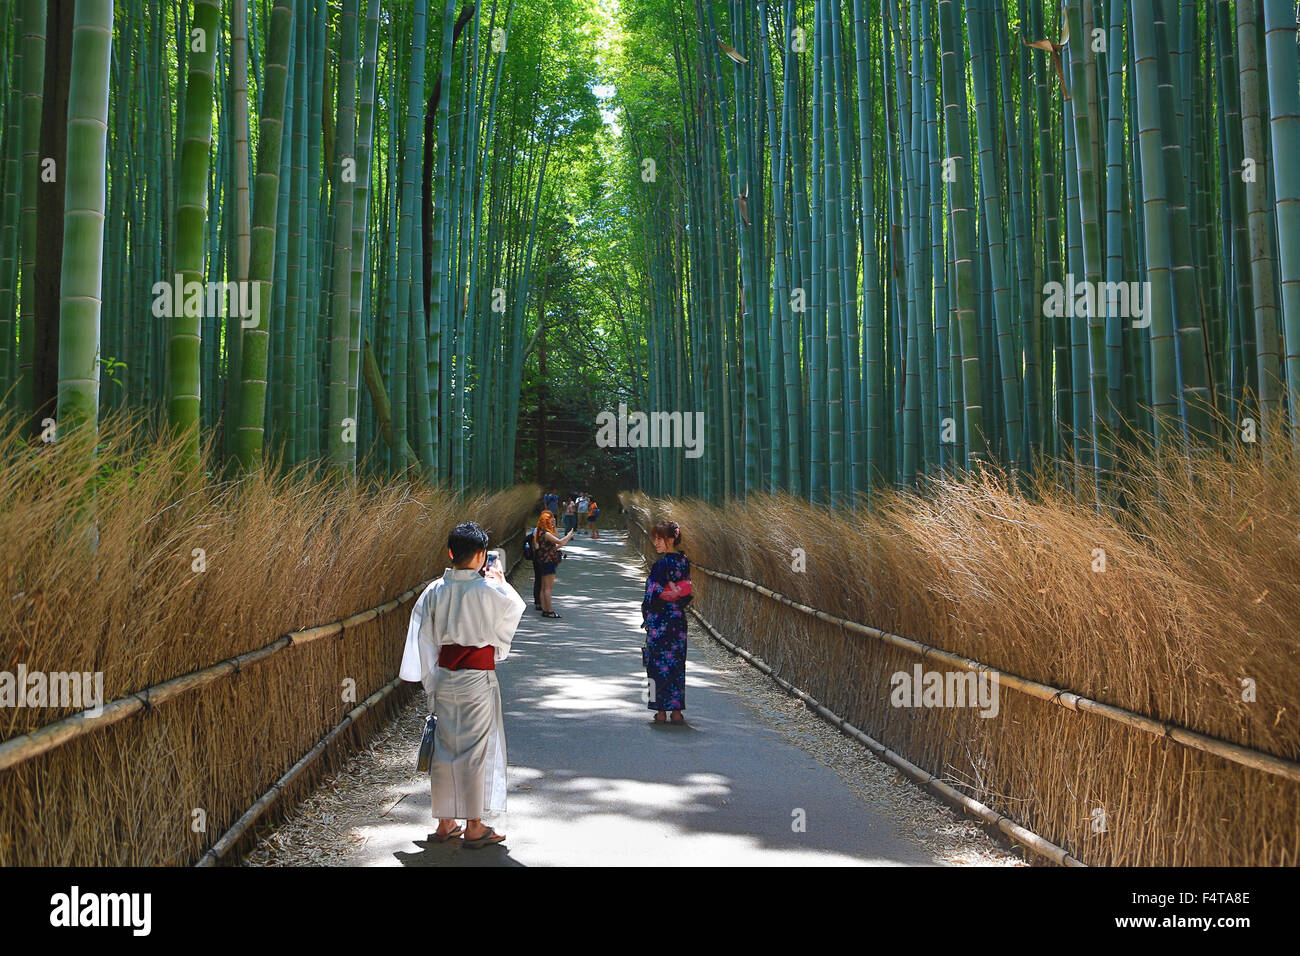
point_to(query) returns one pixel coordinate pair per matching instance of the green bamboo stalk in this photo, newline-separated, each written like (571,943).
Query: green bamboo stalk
(12,82)
(33,82)
(1262,255)
(86,191)
(361,207)
(1284,126)
(987,134)
(185,326)
(252,395)
(961,224)
(342,438)
(1164,391)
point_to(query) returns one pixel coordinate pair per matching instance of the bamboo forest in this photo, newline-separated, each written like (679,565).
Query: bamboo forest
(877,243)
(966,329)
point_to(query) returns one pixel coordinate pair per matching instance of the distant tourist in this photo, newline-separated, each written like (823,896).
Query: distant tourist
(530,552)
(570,514)
(663,611)
(461,626)
(552,503)
(593,512)
(547,546)
(582,504)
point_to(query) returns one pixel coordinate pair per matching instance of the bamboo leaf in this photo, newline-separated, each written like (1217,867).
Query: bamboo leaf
(731,52)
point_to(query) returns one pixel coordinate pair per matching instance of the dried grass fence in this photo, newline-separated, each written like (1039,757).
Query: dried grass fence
(141,573)
(1199,594)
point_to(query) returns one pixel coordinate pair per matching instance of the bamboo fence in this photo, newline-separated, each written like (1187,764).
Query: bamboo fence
(85,725)
(1276,768)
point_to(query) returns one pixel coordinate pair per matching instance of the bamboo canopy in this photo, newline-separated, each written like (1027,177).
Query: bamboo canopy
(900,240)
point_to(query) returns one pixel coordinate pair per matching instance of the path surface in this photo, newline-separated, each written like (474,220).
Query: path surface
(593,782)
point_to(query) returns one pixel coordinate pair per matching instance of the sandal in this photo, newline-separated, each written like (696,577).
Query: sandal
(449,835)
(660,718)
(549,614)
(491,836)
(677,718)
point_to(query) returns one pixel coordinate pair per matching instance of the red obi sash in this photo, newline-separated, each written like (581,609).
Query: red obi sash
(458,657)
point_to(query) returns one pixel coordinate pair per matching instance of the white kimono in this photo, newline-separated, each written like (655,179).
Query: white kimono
(467,771)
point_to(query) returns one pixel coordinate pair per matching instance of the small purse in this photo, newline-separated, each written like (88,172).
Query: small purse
(426,743)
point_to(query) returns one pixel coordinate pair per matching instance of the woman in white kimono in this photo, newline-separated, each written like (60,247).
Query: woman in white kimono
(460,627)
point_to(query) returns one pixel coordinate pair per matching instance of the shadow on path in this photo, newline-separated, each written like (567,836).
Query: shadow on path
(593,781)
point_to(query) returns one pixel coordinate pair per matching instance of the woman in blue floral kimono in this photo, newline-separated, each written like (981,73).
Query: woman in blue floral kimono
(663,610)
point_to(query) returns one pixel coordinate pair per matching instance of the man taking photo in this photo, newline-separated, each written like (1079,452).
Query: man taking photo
(461,626)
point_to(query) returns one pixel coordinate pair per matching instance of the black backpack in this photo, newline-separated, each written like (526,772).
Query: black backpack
(529,551)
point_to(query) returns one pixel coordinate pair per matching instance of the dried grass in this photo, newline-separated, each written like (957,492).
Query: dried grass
(98,566)
(1199,593)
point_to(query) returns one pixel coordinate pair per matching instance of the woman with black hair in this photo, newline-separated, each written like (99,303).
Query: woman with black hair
(663,611)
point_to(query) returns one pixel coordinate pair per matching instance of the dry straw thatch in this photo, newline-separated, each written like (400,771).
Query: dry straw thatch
(101,574)
(1199,594)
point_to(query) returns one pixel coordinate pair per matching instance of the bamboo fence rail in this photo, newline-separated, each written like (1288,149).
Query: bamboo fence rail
(44,739)
(1004,824)
(954,798)
(1236,753)
(263,803)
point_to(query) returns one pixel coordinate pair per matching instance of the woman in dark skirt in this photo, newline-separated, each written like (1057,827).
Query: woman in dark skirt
(663,610)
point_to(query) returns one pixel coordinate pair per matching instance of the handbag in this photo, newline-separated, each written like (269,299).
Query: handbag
(426,743)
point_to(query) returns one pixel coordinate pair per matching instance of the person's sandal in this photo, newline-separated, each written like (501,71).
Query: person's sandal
(549,614)
(449,835)
(677,718)
(661,718)
(491,836)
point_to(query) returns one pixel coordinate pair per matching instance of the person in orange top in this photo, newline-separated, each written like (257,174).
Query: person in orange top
(547,548)
(593,512)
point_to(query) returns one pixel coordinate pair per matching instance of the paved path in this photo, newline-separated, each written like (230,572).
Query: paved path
(593,782)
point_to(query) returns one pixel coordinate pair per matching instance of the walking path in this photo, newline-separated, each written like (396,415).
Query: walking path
(592,781)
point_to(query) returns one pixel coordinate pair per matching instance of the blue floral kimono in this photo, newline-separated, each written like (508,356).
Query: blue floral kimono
(667,592)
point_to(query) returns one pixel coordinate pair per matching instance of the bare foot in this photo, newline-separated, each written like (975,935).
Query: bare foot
(476,829)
